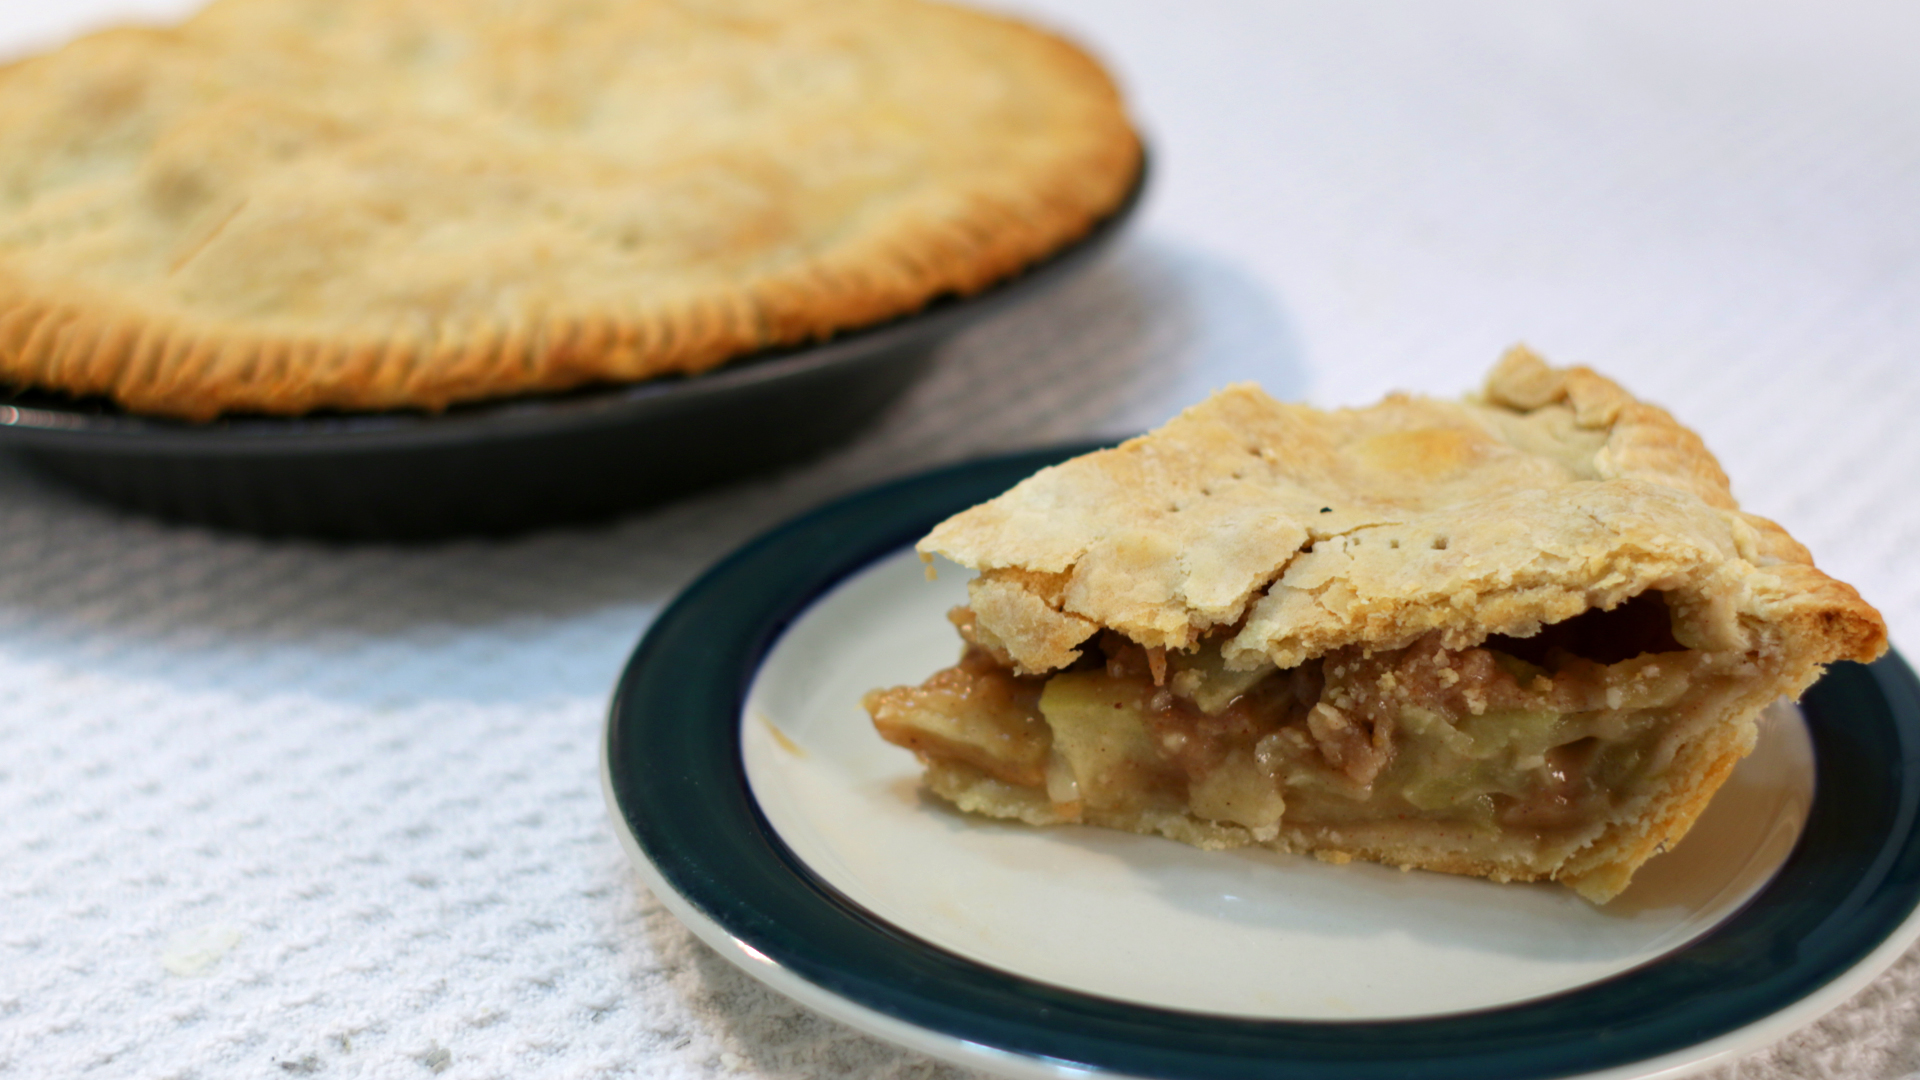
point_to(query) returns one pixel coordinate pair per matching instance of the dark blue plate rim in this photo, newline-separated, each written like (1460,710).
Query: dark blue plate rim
(676,784)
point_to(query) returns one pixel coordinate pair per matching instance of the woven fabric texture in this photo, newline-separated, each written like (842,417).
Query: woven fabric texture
(282,809)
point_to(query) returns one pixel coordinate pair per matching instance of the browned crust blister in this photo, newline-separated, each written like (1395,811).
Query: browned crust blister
(1290,532)
(285,205)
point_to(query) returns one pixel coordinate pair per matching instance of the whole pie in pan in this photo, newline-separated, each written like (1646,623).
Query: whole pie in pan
(287,205)
(1523,636)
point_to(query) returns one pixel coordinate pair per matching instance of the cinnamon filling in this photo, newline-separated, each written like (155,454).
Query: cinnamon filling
(1539,737)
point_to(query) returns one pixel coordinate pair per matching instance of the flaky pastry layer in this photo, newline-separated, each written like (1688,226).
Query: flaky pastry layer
(1305,531)
(284,205)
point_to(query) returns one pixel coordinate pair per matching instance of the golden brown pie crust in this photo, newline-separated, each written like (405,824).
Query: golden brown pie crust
(1282,533)
(285,205)
(1556,491)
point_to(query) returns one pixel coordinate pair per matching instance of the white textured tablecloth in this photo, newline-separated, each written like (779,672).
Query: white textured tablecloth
(275,809)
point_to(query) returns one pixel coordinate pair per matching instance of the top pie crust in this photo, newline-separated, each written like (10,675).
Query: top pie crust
(1299,532)
(285,205)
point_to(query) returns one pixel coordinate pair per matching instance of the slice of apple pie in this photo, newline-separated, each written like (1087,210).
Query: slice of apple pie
(1523,636)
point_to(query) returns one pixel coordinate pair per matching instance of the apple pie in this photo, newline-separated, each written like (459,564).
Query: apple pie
(288,205)
(1523,636)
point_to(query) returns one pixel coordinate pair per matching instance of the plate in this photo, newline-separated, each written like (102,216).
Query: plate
(749,789)
(505,466)
(1146,920)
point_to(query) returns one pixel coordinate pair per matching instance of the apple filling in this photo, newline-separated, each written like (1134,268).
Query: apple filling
(1514,752)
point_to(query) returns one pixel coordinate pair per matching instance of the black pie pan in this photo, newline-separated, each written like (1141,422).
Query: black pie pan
(507,466)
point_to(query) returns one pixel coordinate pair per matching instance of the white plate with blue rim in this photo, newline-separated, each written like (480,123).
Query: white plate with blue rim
(757,802)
